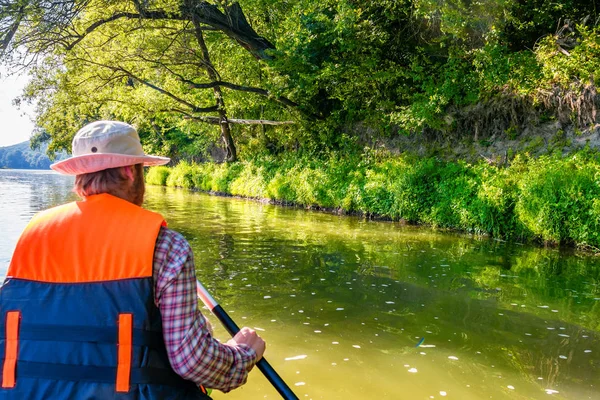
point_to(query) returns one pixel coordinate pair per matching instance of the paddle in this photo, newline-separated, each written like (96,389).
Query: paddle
(268,371)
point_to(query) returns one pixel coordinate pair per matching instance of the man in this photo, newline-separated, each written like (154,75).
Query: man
(99,300)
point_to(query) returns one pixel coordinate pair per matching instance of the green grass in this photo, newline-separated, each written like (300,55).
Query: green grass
(552,198)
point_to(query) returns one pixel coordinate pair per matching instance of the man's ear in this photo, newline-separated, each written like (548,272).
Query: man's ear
(128,172)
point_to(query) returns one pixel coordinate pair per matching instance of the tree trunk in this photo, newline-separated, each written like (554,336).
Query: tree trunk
(10,33)
(212,74)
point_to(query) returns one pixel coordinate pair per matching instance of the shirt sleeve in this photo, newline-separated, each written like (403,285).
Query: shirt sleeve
(193,352)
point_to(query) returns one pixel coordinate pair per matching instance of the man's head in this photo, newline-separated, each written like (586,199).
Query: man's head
(108,158)
(126,183)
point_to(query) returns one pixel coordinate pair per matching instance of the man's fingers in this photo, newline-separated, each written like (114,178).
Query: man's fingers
(250,338)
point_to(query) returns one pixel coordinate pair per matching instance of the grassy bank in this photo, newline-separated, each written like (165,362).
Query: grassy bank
(552,199)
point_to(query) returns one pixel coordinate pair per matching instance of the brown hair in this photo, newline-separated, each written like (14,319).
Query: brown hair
(112,181)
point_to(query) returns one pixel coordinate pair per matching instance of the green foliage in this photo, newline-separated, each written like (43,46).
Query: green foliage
(183,175)
(222,175)
(553,199)
(527,21)
(579,65)
(250,182)
(392,67)
(456,192)
(147,71)
(496,198)
(350,64)
(279,188)
(497,68)
(158,175)
(558,198)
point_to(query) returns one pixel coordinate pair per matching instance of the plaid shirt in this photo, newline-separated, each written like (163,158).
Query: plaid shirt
(193,352)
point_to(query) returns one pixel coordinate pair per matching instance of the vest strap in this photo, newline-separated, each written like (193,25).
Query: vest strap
(11,349)
(73,333)
(124,350)
(88,373)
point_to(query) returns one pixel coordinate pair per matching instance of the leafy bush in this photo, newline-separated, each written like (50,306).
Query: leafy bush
(497,196)
(182,175)
(203,176)
(455,204)
(551,198)
(250,182)
(578,65)
(559,199)
(222,175)
(416,187)
(158,175)
(280,188)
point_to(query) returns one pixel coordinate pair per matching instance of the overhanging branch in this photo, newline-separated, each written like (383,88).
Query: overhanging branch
(218,121)
(241,88)
(114,17)
(192,107)
(232,23)
(258,122)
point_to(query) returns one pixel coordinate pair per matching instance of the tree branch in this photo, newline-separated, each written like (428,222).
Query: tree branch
(263,92)
(114,17)
(169,94)
(241,88)
(211,85)
(258,122)
(218,121)
(232,23)
(192,107)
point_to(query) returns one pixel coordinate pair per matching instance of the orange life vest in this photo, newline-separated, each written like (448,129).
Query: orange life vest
(77,308)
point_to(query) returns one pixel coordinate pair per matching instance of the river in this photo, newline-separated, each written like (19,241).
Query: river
(344,302)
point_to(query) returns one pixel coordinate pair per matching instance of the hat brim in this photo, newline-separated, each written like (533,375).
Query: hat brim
(89,163)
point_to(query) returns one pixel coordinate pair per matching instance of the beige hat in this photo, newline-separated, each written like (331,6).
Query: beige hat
(105,144)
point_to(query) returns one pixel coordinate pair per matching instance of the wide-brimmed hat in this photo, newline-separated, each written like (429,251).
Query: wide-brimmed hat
(105,144)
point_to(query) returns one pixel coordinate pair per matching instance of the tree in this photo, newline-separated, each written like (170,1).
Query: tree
(108,53)
(346,71)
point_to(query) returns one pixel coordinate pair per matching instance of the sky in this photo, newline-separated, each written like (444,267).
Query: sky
(15,123)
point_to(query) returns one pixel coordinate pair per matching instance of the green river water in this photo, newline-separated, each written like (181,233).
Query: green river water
(342,302)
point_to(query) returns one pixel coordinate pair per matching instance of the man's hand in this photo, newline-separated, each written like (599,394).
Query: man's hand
(249,337)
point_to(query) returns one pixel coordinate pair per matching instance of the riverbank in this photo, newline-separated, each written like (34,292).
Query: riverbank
(552,199)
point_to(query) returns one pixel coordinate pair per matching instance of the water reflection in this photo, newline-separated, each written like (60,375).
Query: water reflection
(22,194)
(344,302)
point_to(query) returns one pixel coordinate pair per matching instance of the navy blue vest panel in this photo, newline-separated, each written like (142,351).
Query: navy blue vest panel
(68,336)
(46,389)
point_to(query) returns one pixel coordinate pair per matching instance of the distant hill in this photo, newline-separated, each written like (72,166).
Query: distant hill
(20,156)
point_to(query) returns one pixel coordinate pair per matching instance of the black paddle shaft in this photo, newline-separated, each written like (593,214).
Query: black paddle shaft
(264,367)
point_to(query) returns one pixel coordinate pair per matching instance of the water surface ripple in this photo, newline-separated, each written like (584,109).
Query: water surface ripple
(343,302)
